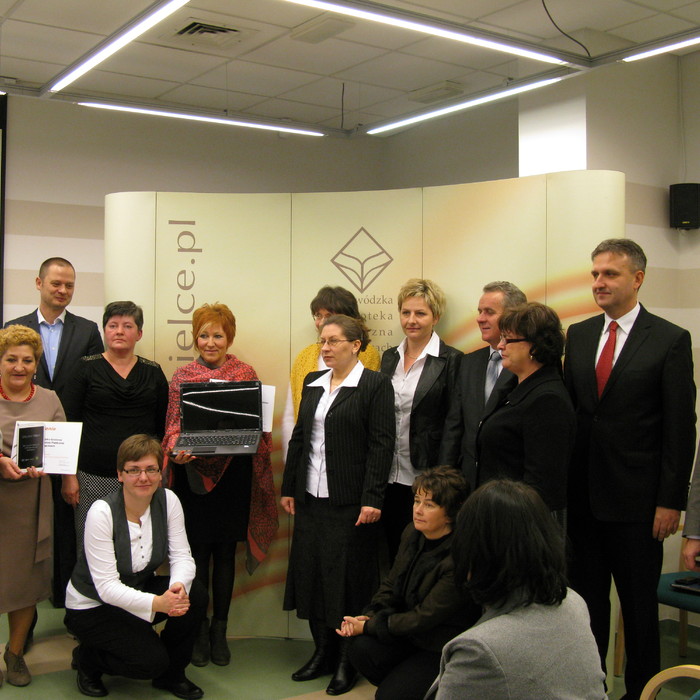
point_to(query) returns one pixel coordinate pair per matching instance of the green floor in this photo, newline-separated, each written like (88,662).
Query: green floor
(260,669)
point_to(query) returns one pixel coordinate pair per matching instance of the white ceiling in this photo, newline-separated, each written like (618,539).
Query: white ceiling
(361,76)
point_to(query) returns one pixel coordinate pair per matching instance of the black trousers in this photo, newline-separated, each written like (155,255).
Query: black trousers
(115,642)
(399,669)
(629,554)
(64,553)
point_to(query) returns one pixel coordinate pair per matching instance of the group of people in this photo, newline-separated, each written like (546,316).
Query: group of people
(577,473)
(605,441)
(120,526)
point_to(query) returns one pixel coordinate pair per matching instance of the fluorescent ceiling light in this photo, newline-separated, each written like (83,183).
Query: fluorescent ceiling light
(463,105)
(385,16)
(663,49)
(134,29)
(201,118)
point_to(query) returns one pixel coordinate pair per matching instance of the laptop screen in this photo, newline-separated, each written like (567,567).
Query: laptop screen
(220,406)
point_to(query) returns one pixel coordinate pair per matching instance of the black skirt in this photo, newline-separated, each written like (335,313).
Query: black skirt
(222,514)
(333,567)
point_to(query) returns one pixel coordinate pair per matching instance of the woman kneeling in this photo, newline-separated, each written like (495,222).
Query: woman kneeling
(114,596)
(418,607)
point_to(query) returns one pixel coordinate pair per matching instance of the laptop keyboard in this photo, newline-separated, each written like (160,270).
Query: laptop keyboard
(214,439)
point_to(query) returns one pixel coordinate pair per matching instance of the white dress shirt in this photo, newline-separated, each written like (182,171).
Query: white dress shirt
(625,324)
(102,562)
(405,384)
(316,478)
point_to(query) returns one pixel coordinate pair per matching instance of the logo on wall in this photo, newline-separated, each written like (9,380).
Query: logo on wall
(362,259)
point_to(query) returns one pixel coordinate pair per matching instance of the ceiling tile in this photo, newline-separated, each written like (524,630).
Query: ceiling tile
(327,57)
(649,29)
(98,17)
(456,53)
(329,92)
(283,14)
(208,98)
(690,12)
(40,43)
(296,111)
(400,71)
(27,72)
(119,85)
(254,78)
(160,62)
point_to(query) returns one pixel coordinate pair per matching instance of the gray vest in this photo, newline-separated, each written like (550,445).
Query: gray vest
(81,577)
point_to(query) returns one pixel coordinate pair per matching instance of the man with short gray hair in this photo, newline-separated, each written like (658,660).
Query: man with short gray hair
(479,381)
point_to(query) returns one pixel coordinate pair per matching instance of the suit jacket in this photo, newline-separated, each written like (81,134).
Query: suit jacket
(529,437)
(467,408)
(692,515)
(430,402)
(635,445)
(520,653)
(360,432)
(80,337)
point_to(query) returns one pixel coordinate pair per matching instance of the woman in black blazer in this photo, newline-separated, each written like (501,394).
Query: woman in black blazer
(529,436)
(423,372)
(335,476)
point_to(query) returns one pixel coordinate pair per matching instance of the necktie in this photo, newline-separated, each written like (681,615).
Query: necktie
(492,373)
(605,362)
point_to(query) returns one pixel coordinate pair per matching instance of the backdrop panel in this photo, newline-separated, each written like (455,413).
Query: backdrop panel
(266,256)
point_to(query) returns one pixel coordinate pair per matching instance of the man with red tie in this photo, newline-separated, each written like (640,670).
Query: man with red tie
(630,376)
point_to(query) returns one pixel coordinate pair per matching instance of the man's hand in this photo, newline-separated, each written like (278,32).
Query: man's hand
(691,549)
(665,522)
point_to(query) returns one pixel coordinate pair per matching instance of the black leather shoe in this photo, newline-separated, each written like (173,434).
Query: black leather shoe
(343,680)
(88,684)
(184,688)
(315,667)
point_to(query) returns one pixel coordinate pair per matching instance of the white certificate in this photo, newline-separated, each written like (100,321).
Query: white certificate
(57,452)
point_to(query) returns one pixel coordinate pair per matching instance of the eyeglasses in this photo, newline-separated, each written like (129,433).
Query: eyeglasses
(148,471)
(508,341)
(332,342)
(322,317)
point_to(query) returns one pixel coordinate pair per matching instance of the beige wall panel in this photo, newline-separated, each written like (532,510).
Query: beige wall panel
(375,239)
(130,242)
(583,208)
(478,233)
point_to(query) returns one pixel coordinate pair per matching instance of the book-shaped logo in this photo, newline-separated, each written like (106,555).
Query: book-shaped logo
(362,259)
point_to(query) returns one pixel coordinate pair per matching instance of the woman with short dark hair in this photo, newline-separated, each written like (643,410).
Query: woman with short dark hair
(417,608)
(114,595)
(334,481)
(529,435)
(534,638)
(115,394)
(329,301)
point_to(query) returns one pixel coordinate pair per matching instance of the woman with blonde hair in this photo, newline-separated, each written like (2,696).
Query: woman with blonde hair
(226,500)
(423,370)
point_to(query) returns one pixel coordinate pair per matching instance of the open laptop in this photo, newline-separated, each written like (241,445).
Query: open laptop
(220,418)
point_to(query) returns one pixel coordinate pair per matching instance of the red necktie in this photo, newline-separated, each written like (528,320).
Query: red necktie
(605,362)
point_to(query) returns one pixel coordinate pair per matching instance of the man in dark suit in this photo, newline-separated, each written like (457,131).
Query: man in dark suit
(479,381)
(66,338)
(630,376)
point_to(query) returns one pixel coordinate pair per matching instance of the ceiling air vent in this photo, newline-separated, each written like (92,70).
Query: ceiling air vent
(197,33)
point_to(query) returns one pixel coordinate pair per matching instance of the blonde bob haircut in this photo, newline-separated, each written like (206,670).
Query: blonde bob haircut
(20,335)
(425,289)
(211,314)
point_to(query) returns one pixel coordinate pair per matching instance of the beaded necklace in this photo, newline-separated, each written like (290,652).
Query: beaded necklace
(32,389)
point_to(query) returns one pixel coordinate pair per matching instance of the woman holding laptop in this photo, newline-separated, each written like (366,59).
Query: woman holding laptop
(227,499)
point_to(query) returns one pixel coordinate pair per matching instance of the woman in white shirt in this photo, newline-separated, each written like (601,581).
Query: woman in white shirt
(114,596)
(334,481)
(423,370)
